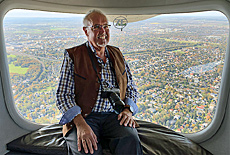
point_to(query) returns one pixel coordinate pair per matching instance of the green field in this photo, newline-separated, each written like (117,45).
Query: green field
(11,55)
(59,28)
(17,69)
(31,31)
(179,51)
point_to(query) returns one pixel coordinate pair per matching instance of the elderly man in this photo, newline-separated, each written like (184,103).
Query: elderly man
(89,73)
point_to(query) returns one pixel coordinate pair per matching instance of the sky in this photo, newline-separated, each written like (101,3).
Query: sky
(32,13)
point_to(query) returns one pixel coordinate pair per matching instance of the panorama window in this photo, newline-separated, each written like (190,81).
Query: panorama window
(176,61)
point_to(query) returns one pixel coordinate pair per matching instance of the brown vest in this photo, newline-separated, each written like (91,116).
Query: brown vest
(86,80)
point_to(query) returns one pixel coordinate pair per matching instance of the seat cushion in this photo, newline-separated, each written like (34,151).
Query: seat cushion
(47,140)
(158,140)
(155,140)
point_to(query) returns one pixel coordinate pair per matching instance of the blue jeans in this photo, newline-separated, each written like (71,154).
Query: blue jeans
(110,135)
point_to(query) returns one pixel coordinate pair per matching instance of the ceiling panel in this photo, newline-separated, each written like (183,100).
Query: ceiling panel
(117,3)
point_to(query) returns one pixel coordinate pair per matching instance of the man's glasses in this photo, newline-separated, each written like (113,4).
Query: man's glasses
(99,27)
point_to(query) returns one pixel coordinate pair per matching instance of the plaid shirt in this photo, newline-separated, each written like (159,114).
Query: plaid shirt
(65,92)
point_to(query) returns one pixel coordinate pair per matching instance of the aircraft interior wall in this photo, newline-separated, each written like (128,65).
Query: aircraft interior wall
(9,130)
(219,143)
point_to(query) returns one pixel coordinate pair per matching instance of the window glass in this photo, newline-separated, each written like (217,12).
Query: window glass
(35,43)
(176,61)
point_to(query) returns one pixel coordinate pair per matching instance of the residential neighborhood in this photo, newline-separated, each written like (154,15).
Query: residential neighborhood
(176,63)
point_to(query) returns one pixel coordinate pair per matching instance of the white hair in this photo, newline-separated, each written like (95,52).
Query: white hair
(87,18)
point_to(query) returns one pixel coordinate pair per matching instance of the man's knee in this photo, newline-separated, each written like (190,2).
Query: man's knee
(129,143)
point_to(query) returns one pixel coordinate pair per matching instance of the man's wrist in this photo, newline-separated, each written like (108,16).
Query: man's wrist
(78,120)
(130,108)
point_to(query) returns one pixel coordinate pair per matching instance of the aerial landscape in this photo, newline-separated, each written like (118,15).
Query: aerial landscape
(176,62)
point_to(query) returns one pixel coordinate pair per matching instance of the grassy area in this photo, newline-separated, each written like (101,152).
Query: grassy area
(172,40)
(59,28)
(17,69)
(42,88)
(179,51)
(32,31)
(11,56)
(46,89)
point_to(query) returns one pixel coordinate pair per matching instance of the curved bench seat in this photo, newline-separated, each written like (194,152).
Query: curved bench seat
(155,140)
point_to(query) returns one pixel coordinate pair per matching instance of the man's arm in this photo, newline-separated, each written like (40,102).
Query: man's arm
(85,135)
(65,93)
(131,97)
(70,110)
(131,91)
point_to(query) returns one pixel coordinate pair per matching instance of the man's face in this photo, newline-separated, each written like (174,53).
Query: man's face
(98,35)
